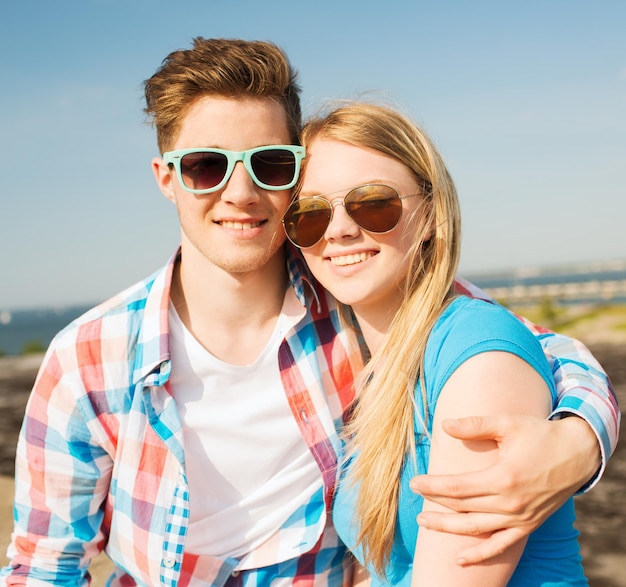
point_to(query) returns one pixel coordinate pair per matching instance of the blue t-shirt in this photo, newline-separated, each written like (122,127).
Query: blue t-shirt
(466,328)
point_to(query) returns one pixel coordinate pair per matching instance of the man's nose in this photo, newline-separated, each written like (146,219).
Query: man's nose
(240,189)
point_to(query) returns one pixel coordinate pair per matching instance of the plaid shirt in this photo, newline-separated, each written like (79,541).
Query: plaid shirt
(100,460)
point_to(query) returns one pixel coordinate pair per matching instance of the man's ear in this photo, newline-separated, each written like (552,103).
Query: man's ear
(163,176)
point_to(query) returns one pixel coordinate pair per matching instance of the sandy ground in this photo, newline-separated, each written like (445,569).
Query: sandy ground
(601,513)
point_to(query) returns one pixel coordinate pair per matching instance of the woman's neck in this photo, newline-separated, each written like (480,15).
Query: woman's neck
(374,323)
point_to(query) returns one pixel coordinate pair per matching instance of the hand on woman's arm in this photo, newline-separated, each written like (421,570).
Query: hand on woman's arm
(509,498)
(488,384)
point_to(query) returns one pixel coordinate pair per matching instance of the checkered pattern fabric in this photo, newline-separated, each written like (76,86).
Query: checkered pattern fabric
(100,460)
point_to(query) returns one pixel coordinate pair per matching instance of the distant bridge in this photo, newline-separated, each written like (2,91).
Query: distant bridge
(594,290)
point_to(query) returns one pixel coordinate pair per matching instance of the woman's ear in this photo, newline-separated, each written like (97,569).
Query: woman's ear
(163,176)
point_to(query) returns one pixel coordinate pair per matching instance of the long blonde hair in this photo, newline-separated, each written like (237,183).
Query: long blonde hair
(381,433)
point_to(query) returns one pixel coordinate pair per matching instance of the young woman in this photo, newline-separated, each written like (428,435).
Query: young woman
(378,221)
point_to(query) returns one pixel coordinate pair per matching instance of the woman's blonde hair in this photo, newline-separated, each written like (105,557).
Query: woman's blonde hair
(382,433)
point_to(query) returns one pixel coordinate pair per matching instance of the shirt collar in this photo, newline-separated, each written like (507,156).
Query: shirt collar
(152,349)
(153,355)
(301,279)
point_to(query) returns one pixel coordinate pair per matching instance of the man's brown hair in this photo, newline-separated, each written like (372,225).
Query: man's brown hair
(229,68)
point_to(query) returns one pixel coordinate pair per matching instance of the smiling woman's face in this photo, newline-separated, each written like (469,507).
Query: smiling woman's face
(360,268)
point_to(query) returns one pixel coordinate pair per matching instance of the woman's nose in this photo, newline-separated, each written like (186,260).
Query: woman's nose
(341,225)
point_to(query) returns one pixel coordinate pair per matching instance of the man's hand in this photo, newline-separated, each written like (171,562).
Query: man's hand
(541,463)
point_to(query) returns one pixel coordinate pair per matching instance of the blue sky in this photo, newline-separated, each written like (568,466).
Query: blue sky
(526,101)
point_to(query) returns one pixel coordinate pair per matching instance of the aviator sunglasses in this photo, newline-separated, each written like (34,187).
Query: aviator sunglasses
(375,208)
(202,171)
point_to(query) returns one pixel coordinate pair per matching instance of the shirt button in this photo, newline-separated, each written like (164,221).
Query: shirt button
(169,562)
(235,574)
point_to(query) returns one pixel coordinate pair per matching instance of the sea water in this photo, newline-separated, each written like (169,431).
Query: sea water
(33,328)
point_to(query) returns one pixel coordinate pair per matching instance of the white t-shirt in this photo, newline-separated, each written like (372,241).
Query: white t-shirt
(247,464)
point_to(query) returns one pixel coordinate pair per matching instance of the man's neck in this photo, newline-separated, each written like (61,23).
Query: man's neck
(231,315)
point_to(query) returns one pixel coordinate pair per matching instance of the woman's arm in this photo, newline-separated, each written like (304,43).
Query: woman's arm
(488,384)
(509,498)
(583,389)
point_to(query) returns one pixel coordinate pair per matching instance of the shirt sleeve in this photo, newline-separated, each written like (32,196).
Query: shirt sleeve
(583,387)
(61,484)
(469,327)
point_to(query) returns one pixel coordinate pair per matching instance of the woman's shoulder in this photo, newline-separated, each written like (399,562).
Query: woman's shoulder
(474,319)
(468,327)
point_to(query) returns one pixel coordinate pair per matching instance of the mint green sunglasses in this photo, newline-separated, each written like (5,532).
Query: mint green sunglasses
(202,171)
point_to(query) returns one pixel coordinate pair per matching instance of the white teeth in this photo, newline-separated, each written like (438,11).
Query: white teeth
(239,225)
(350,259)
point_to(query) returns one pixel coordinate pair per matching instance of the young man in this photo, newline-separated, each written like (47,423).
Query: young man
(189,426)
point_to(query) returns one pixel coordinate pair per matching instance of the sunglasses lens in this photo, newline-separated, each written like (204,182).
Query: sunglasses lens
(376,208)
(275,167)
(306,221)
(203,171)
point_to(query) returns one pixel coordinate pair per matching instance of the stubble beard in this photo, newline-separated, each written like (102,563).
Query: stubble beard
(247,258)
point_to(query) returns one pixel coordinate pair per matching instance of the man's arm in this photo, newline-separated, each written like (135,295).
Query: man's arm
(62,479)
(584,390)
(540,462)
